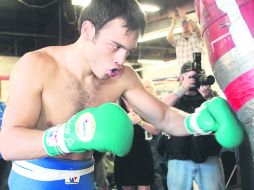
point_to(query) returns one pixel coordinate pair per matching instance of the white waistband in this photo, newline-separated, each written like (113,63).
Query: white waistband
(39,173)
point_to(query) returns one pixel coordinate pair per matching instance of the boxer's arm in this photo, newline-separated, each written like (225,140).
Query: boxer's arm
(149,127)
(19,139)
(154,111)
(136,119)
(178,123)
(172,98)
(167,119)
(214,116)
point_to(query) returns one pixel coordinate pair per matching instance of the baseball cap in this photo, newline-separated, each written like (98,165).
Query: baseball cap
(186,67)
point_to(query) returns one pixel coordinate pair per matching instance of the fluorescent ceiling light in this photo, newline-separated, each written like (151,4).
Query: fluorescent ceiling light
(156,61)
(158,34)
(83,3)
(150,61)
(156,64)
(149,8)
(145,7)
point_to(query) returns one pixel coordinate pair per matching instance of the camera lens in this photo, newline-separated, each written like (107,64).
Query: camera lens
(210,80)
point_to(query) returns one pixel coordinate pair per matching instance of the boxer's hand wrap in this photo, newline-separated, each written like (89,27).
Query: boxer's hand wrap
(216,116)
(105,128)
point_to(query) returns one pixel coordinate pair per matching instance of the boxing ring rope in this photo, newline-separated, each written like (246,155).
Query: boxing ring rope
(4,77)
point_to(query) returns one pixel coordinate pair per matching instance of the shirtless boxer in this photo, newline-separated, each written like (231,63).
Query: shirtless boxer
(50,85)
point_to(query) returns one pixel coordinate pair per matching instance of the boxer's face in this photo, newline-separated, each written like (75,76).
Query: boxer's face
(111,47)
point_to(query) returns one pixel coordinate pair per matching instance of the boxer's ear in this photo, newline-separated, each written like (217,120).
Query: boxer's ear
(88,30)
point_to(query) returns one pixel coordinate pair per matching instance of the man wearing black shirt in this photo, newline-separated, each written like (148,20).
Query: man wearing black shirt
(192,158)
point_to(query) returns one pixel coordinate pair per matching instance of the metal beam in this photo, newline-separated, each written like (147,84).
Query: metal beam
(19,34)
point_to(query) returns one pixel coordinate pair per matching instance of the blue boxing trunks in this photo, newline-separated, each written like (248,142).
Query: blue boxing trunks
(52,174)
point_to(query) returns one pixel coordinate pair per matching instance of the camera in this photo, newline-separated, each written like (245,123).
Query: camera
(201,78)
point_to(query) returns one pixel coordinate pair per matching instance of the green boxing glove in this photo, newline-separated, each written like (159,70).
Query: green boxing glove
(216,116)
(106,128)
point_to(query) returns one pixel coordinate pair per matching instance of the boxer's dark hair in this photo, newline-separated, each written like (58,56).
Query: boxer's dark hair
(99,12)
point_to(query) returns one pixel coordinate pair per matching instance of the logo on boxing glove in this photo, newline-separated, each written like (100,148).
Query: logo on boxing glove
(85,127)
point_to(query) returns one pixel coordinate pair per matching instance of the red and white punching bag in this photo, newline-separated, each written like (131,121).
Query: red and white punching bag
(228,32)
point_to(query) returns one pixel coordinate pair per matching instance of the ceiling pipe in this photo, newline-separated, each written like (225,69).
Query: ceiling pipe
(18,34)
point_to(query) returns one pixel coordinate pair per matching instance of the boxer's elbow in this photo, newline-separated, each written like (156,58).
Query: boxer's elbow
(5,150)
(5,156)
(8,145)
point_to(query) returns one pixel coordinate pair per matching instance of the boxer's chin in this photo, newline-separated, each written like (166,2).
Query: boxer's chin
(104,77)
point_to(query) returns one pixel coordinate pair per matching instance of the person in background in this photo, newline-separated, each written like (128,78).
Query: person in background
(100,173)
(5,166)
(136,169)
(153,141)
(192,158)
(188,41)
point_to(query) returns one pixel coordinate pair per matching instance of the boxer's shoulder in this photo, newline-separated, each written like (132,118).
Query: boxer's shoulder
(130,78)
(37,60)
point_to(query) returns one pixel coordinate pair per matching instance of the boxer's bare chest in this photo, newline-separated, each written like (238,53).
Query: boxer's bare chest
(64,98)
